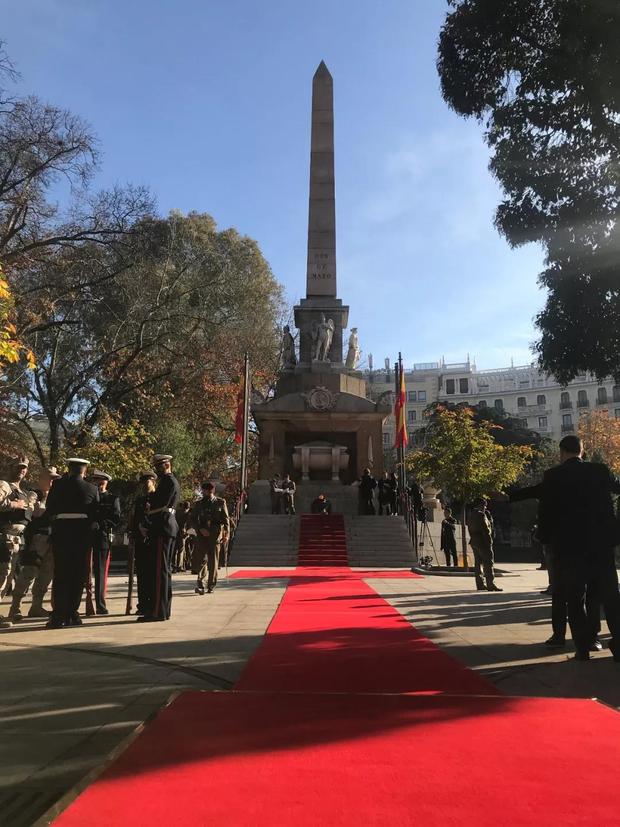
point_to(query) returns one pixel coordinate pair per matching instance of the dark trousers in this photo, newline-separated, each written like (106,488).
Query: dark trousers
(140,562)
(101,565)
(603,585)
(71,550)
(450,552)
(208,554)
(570,576)
(385,504)
(158,586)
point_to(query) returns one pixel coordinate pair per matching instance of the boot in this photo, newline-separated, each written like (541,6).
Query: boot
(38,611)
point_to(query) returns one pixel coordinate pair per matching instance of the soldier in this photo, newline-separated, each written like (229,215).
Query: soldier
(210,519)
(16,504)
(321,505)
(37,562)
(161,537)
(385,494)
(481,541)
(72,506)
(448,537)
(108,518)
(288,494)
(275,493)
(138,528)
(182,516)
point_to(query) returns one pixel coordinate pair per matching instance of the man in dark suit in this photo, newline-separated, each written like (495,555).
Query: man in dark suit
(576,517)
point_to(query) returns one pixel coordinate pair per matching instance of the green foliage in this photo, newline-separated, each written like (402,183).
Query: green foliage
(544,78)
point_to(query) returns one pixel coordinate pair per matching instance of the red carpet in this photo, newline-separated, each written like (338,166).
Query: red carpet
(341,574)
(322,540)
(347,716)
(372,760)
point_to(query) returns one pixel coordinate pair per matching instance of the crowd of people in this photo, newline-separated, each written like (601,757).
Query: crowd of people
(61,531)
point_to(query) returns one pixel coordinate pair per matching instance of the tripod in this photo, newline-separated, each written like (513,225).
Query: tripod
(426,560)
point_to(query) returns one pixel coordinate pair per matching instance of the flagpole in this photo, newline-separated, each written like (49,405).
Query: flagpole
(246,415)
(401,447)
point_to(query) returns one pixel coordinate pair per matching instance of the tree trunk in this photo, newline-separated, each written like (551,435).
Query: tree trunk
(464,535)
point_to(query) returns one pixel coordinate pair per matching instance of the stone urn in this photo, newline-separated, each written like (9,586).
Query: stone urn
(320,456)
(430,496)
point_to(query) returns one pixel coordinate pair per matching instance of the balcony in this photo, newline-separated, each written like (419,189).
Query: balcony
(568,429)
(533,410)
(602,403)
(566,406)
(583,403)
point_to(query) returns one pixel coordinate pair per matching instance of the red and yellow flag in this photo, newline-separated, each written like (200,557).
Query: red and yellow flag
(400,409)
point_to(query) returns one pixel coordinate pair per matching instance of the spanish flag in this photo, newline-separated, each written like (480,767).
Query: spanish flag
(400,408)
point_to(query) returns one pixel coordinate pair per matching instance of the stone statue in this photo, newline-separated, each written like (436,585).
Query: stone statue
(322,335)
(289,359)
(353,355)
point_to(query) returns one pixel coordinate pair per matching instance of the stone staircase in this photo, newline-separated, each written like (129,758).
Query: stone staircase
(274,540)
(374,541)
(266,540)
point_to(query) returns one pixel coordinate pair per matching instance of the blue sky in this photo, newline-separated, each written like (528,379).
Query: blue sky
(208,103)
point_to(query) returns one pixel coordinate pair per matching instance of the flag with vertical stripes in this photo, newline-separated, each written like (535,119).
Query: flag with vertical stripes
(400,408)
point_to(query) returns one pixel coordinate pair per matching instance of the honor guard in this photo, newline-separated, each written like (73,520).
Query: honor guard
(212,524)
(139,524)
(108,519)
(161,538)
(72,506)
(16,506)
(37,563)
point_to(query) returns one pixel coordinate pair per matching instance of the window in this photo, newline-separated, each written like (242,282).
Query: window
(521,402)
(567,419)
(565,400)
(412,396)
(524,383)
(463,386)
(616,393)
(413,415)
(541,399)
(523,423)
(601,396)
(617,413)
(421,396)
(499,404)
(482,403)
(411,437)
(387,439)
(449,385)
(542,421)
(582,399)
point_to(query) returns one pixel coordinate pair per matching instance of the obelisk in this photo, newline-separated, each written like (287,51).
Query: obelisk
(321,270)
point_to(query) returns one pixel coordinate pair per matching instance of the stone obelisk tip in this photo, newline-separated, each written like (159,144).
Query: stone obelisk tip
(322,71)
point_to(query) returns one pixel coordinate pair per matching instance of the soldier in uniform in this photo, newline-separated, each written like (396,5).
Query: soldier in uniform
(16,505)
(37,562)
(211,521)
(139,528)
(288,494)
(108,518)
(161,538)
(480,528)
(72,506)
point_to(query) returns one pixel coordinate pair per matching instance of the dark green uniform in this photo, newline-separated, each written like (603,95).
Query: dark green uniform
(209,516)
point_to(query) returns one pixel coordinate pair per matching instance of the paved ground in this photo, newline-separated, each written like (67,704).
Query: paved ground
(70,696)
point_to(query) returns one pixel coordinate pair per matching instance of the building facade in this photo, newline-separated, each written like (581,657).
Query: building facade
(523,392)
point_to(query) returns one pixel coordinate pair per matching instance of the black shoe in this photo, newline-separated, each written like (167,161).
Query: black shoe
(199,590)
(547,591)
(596,645)
(494,588)
(76,620)
(481,588)
(55,624)
(209,591)
(143,619)
(103,612)
(582,656)
(555,642)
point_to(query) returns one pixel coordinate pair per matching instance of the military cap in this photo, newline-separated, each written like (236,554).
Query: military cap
(159,458)
(147,475)
(207,484)
(52,471)
(78,461)
(22,461)
(100,475)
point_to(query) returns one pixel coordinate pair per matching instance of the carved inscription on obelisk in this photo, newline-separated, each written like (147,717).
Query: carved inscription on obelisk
(321,272)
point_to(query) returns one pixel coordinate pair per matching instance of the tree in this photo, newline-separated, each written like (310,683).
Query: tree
(600,434)
(543,76)
(463,459)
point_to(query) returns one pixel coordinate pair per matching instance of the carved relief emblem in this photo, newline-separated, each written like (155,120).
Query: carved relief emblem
(321,399)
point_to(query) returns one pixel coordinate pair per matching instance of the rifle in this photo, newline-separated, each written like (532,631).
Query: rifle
(131,567)
(90,606)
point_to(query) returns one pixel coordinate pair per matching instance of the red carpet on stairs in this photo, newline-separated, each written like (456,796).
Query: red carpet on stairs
(347,716)
(322,540)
